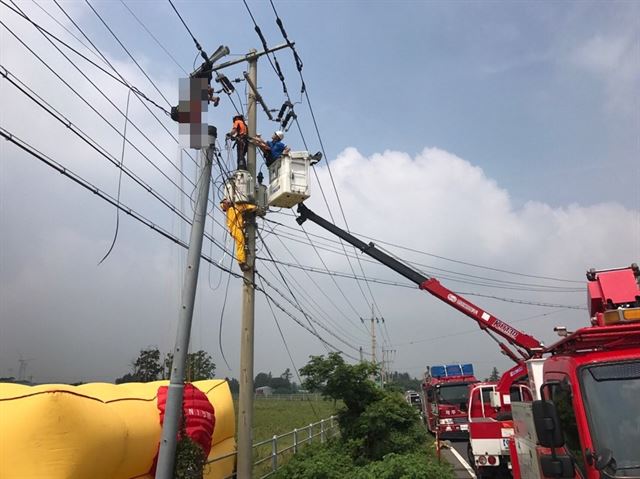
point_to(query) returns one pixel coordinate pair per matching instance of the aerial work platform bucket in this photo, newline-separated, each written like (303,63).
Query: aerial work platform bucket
(289,179)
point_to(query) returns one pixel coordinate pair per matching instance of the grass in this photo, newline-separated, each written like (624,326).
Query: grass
(276,417)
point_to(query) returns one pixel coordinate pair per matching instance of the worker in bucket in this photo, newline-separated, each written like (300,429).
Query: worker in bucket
(235,223)
(239,134)
(272,149)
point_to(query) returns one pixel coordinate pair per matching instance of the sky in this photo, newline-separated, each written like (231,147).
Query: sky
(494,134)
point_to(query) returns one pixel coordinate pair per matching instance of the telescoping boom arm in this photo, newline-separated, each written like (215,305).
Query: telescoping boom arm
(527,346)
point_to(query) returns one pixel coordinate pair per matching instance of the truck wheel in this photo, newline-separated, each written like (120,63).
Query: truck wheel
(486,473)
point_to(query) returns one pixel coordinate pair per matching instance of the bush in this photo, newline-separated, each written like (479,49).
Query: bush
(417,465)
(386,426)
(326,461)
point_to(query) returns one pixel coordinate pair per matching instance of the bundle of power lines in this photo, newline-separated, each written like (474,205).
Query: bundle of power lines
(345,332)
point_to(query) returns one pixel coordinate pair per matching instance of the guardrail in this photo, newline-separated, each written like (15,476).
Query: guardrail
(289,397)
(289,441)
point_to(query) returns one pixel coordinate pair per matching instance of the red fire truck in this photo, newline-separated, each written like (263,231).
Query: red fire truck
(446,393)
(584,421)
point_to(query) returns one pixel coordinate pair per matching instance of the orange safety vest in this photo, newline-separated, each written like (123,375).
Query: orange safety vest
(240,127)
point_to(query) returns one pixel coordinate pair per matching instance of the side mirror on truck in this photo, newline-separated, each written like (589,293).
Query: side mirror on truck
(549,433)
(547,424)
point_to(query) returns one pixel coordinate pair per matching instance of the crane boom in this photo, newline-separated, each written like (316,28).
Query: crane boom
(527,346)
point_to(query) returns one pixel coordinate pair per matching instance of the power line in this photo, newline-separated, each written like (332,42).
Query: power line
(318,287)
(412,286)
(492,282)
(128,52)
(285,282)
(413,250)
(308,317)
(278,71)
(162,125)
(313,304)
(471,331)
(48,35)
(286,347)
(188,29)
(145,221)
(154,37)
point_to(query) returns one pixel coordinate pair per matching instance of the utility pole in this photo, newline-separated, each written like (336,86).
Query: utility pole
(361,354)
(373,319)
(245,401)
(173,409)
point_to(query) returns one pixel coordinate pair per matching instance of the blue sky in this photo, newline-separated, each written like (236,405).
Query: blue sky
(529,91)
(498,133)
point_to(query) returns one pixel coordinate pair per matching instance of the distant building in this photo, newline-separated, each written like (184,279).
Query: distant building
(264,391)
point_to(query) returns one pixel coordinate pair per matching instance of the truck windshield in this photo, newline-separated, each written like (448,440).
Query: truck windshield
(611,393)
(455,394)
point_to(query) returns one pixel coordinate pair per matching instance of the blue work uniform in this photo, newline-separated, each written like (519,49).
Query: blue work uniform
(276,148)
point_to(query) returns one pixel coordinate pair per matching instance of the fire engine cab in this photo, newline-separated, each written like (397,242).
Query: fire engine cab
(446,392)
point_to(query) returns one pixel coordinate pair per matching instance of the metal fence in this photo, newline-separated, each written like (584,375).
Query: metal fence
(290,442)
(289,397)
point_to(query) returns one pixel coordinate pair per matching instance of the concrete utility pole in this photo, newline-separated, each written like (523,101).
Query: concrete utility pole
(245,401)
(173,407)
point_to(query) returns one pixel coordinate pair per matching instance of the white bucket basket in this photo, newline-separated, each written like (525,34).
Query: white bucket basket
(237,189)
(289,180)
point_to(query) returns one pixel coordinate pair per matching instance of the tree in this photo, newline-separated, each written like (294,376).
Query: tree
(127,378)
(147,367)
(373,422)
(262,379)
(234,385)
(495,375)
(334,378)
(200,366)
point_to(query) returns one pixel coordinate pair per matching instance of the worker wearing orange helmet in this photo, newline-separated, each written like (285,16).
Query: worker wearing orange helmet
(239,134)
(235,223)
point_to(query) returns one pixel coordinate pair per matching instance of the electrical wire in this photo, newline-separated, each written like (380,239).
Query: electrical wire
(307,317)
(124,143)
(186,26)
(150,224)
(48,35)
(128,52)
(286,347)
(326,246)
(154,37)
(317,286)
(162,125)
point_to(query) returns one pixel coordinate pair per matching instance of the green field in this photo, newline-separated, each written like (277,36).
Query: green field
(273,416)
(276,417)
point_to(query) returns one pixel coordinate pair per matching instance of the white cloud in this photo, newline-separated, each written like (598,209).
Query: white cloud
(614,58)
(435,202)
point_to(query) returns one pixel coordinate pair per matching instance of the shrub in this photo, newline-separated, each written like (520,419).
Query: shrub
(386,426)
(326,461)
(416,465)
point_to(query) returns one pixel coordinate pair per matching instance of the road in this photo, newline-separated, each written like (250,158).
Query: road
(456,455)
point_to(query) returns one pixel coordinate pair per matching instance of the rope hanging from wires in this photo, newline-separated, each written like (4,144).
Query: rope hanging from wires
(145,221)
(124,144)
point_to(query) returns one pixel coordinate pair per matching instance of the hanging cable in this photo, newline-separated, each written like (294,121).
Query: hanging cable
(154,37)
(124,143)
